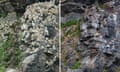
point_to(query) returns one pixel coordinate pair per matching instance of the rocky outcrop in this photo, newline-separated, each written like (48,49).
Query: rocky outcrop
(99,39)
(99,33)
(34,36)
(71,10)
(68,7)
(40,38)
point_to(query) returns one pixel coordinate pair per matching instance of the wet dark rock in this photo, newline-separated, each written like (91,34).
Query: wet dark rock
(50,31)
(72,6)
(88,2)
(71,16)
(103,1)
(20,5)
(56,2)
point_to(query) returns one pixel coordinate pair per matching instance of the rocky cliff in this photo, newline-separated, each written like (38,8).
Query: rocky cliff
(29,36)
(99,34)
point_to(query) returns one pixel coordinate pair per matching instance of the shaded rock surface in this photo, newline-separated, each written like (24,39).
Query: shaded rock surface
(19,6)
(98,40)
(99,34)
(71,9)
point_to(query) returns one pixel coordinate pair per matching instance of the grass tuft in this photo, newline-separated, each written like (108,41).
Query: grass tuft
(9,55)
(76,65)
(69,23)
(72,23)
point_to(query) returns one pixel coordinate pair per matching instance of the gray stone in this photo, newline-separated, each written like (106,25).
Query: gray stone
(71,16)
(29,59)
(74,70)
(11,70)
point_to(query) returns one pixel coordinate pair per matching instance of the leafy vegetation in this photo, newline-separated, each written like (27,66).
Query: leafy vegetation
(101,5)
(3,14)
(75,28)
(2,68)
(104,70)
(69,23)
(76,65)
(71,30)
(9,55)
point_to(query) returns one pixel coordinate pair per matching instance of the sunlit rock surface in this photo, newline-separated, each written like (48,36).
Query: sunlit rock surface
(35,29)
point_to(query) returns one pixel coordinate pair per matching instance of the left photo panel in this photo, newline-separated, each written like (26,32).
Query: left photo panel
(29,36)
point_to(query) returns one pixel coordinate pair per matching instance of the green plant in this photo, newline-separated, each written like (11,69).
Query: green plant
(9,55)
(75,32)
(69,23)
(3,14)
(72,22)
(78,26)
(101,5)
(2,69)
(76,65)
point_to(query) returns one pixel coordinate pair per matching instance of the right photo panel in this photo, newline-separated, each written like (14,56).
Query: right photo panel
(90,35)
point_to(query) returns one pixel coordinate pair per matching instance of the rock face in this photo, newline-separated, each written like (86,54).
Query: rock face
(35,34)
(71,8)
(40,38)
(99,40)
(68,7)
(99,33)
(11,70)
